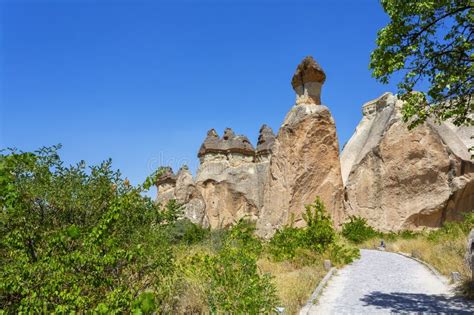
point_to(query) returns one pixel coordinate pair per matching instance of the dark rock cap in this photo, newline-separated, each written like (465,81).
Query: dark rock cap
(166,177)
(230,143)
(211,144)
(229,134)
(308,71)
(266,139)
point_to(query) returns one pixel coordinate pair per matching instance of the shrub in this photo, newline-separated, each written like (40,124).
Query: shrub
(79,239)
(319,233)
(236,286)
(357,230)
(184,231)
(341,254)
(242,235)
(285,243)
(232,281)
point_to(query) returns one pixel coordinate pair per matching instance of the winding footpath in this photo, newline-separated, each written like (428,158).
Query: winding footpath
(384,283)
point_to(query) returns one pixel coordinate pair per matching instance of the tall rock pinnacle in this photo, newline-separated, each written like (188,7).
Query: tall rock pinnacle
(304,162)
(307,81)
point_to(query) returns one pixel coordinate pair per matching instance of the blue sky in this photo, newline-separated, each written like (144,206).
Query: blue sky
(142,81)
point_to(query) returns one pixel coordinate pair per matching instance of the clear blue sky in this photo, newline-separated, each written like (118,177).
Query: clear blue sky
(142,81)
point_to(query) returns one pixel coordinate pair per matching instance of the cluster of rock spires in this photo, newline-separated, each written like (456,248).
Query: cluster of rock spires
(231,143)
(396,178)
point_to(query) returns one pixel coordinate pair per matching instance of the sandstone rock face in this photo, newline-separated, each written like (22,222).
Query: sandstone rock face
(305,158)
(304,164)
(181,187)
(405,179)
(272,183)
(166,183)
(228,179)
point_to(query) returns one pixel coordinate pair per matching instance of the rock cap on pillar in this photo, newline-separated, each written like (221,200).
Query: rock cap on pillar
(307,82)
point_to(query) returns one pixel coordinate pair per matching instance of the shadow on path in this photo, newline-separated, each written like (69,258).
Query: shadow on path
(416,302)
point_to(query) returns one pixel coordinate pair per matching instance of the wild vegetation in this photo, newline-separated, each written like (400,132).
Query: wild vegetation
(444,248)
(430,43)
(77,238)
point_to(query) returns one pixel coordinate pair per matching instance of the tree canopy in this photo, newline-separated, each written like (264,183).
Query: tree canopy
(430,42)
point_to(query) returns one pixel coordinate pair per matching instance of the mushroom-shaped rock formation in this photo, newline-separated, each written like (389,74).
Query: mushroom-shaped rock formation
(305,158)
(266,139)
(212,144)
(166,177)
(307,82)
(237,143)
(165,185)
(229,143)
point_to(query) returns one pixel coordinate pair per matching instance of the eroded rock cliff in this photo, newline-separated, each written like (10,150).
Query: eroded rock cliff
(305,159)
(272,183)
(229,183)
(395,177)
(406,179)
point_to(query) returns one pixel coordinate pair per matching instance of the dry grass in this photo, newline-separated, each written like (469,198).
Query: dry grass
(446,255)
(294,282)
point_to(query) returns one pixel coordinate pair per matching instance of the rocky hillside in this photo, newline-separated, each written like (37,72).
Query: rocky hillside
(394,177)
(405,179)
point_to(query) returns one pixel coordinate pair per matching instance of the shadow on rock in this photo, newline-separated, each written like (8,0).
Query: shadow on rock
(415,302)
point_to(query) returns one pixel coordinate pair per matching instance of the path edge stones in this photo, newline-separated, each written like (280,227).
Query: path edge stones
(317,292)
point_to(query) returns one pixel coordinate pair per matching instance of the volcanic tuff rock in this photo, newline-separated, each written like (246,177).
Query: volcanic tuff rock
(182,188)
(229,181)
(307,81)
(305,158)
(405,179)
(395,177)
(167,184)
(271,183)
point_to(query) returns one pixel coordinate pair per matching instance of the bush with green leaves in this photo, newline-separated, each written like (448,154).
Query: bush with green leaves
(341,254)
(358,230)
(318,234)
(233,283)
(285,243)
(184,231)
(76,238)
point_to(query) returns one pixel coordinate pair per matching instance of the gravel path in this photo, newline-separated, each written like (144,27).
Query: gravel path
(383,283)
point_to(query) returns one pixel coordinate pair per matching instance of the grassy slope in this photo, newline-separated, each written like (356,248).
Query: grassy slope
(294,282)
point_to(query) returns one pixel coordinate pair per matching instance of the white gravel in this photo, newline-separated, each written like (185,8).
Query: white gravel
(386,283)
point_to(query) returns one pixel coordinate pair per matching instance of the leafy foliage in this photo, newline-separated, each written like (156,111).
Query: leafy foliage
(429,41)
(285,243)
(320,232)
(341,254)
(74,238)
(77,238)
(234,283)
(357,230)
(318,236)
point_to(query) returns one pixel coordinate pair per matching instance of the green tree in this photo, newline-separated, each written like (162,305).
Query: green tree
(430,42)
